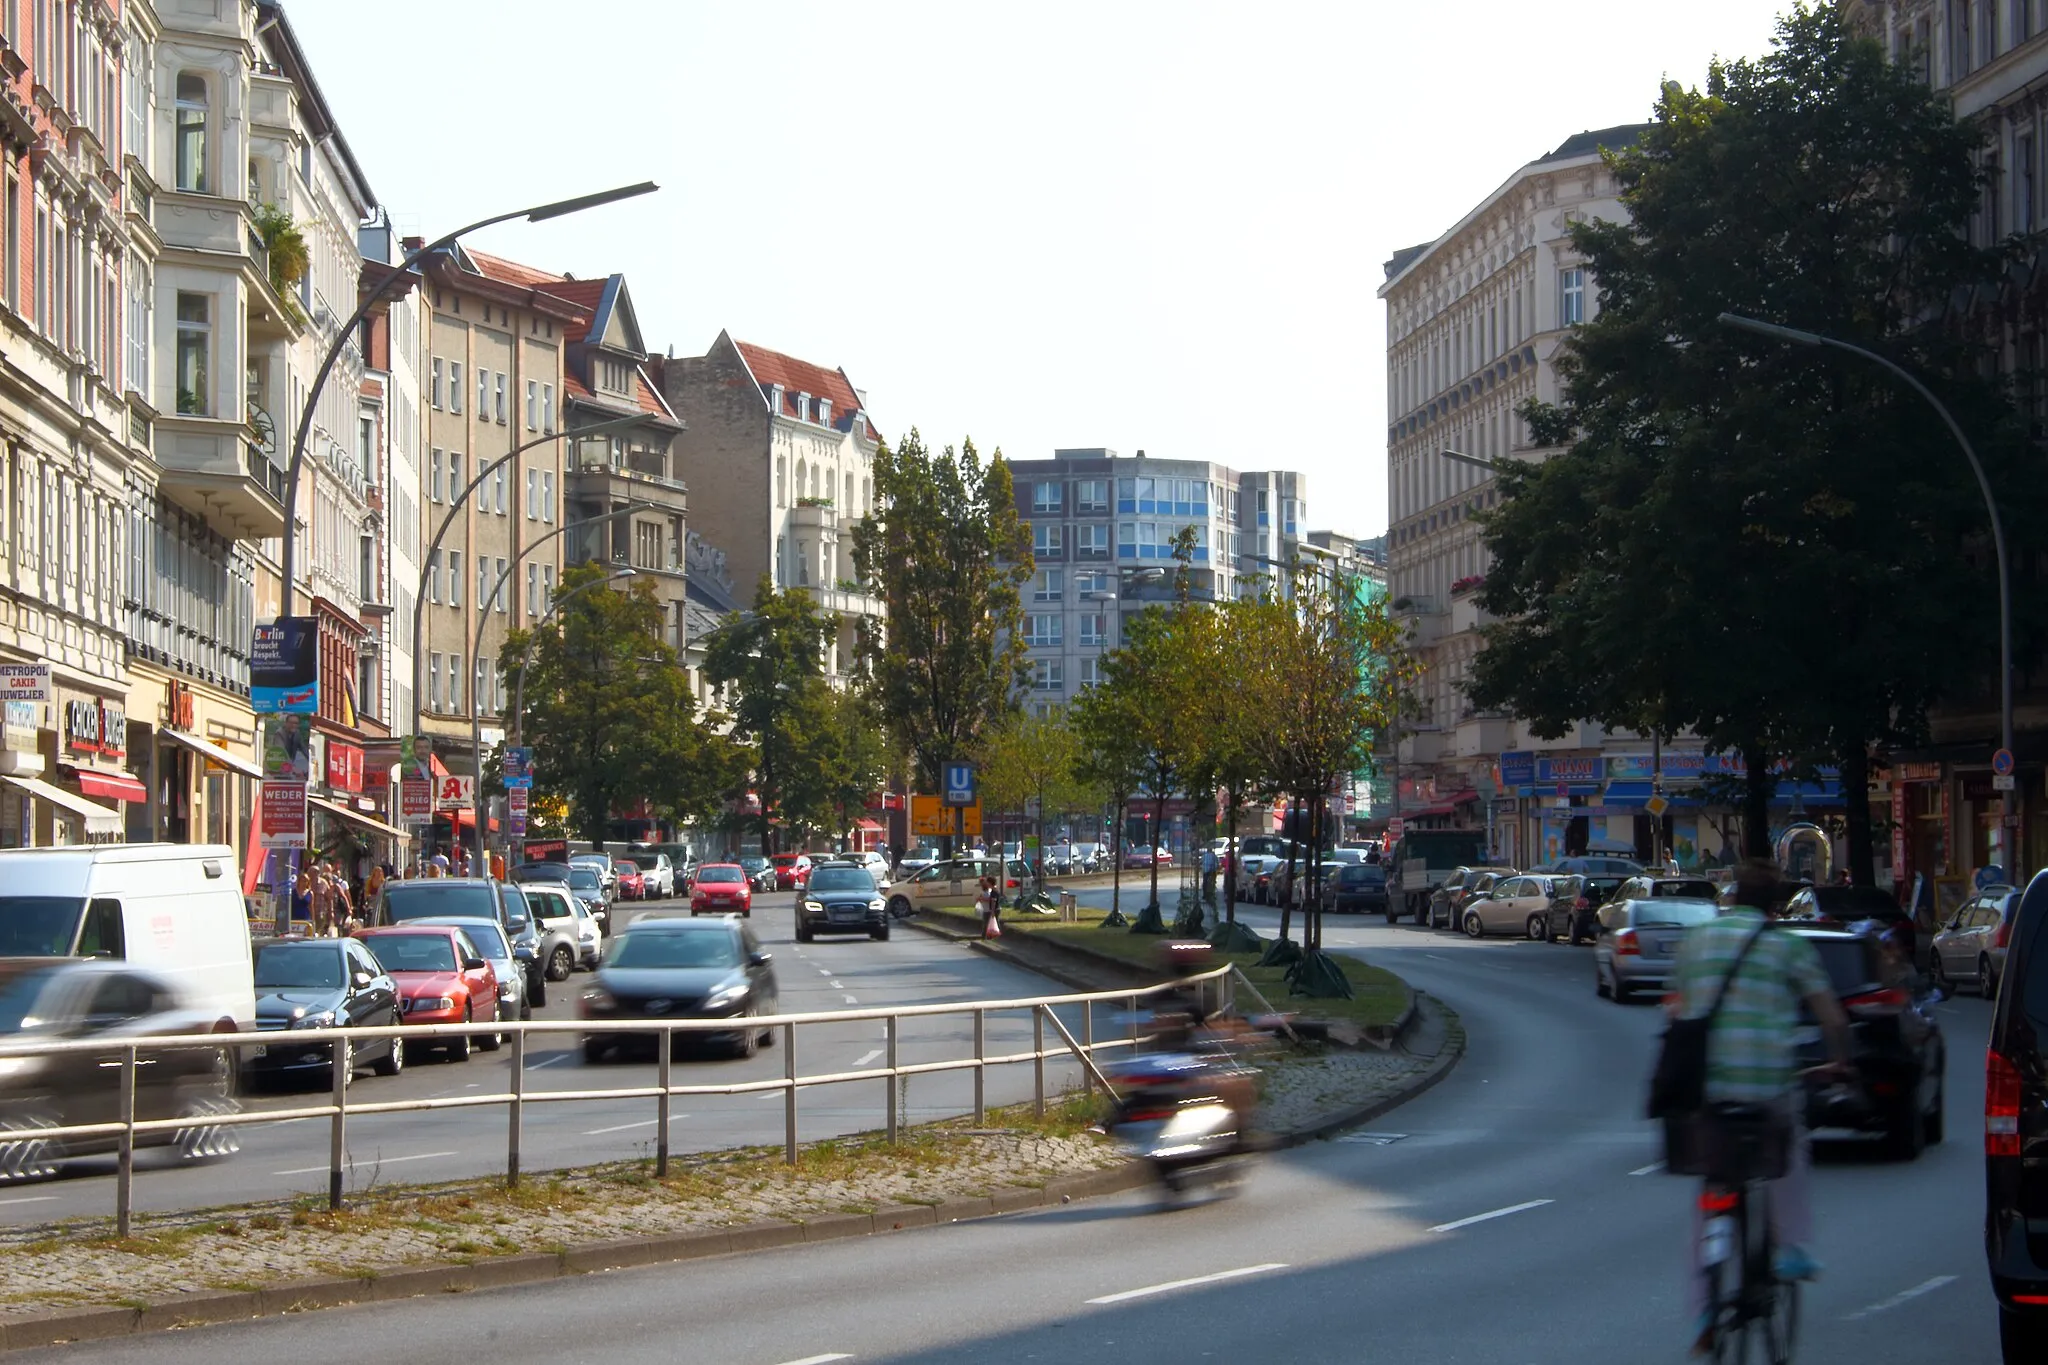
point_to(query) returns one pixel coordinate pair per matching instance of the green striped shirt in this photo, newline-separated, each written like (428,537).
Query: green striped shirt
(1751,1055)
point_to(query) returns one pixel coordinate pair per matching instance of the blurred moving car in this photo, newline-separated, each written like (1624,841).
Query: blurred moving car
(2016,1134)
(44,1000)
(1972,947)
(722,888)
(792,870)
(570,935)
(674,968)
(321,983)
(842,898)
(1638,942)
(632,886)
(442,979)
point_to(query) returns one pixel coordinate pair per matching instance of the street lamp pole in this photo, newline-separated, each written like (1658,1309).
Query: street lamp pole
(526,657)
(2009,824)
(483,617)
(346,332)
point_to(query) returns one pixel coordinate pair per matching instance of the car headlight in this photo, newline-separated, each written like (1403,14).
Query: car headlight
(14,1067)
(508,989)
(877,904)
(321,1019)
(429,1002)
(815,907)
(725,995)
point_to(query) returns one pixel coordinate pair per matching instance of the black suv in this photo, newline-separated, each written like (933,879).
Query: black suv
(2016,1136)
(840,898)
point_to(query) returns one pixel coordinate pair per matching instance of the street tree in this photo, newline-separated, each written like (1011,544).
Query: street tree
(1777,548)
(946,552)
(853,755)
(1227,718)
(609,712)
(1113,760)
(1031,761)
(773,658)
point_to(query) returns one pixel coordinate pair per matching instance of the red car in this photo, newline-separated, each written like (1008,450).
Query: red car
(442,979)
(632,885)
(723,889)
(792,871)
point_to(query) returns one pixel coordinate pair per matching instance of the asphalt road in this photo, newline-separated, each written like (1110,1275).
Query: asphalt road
(291,1157)
(1511,1216)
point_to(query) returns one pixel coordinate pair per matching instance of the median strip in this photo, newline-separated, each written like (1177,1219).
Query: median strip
(1189,1283)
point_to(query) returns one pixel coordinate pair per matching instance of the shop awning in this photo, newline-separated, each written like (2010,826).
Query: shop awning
(463,817)
(106,785)
(356,817)
(210,751)
(870,827)
(1639,793)
(1828,793)
(1442,808)
(98,819)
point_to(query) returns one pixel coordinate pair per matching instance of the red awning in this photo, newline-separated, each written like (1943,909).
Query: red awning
(113,786)
(869,827)
(464,818)
(1465,798)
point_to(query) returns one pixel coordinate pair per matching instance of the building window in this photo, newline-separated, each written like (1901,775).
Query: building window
(1091,542)
(547,587)
(435,473)
(1091,672)
(1089,582)
(366,557)
(434,577)
(498,584)
(803,407)
(1042,630)
(533,590)
(1091,495)
(499,478)
(455,386)
(1571,297)
(457,488)
(547,496)
(499,397)
(1045,497)
(195,346)
(435,399)
(483,583)
(547,409)
(479,687)
(434,682)
(2023,192)
(824,412)
(803,564)
(483,394)
(189,133)
(454,682)
(1048,542)
(532,494)
(1047,587)
(1047,675)
(532,405)
(781,481)
(1094,630)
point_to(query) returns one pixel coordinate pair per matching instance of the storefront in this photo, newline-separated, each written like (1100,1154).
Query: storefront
(194,749)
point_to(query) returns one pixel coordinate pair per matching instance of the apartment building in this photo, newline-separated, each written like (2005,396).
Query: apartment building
(1102,531)
(779,453)
(390,428)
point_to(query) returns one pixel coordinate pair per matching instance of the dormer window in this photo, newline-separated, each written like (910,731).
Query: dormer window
(803,407)
(775,399)
(824,412)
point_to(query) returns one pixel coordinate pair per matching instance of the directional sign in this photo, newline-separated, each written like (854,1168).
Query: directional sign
(2003,782)
(932,818)
(956,781)
(2001,762)
(454,791)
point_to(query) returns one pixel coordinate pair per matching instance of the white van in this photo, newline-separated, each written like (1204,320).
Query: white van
(171,909)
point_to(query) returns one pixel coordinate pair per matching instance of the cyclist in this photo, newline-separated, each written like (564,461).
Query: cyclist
(1752,1054)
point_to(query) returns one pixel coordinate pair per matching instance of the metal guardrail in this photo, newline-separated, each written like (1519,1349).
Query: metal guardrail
(1218,988)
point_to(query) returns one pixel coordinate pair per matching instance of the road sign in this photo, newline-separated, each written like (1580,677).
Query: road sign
(1656,805)
(1395,826)
(2003,782)
(2001,763)
(515,809)
(933,818)
(518,766)
(454,791)
(956,783)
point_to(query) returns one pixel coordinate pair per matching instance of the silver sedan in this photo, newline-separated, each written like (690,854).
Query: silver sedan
(1638,944)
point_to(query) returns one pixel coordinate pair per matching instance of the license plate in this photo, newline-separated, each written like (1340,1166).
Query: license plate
(260,1050)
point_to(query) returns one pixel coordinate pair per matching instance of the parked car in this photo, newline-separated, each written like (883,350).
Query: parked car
(842,898)
(1575,914)
(1517,905)
(916,861)
(1252,870)
(951,885)
(1597,865)
(496,949)
(526,873)
(588,886)
(2016,1135)
(570,935)
(722,888)
(47,999)
(321,983)
(792,870)
(442,979)
(1358,887)
(667,868)
(1637,946)
(1143,857)
(674,968)
(632,886)
(1447,902)
(1643,888)
(760,872)
(473,898)
(1972,947)
(601,864)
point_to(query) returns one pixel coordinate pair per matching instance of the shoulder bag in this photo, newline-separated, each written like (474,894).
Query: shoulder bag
(1679,1085)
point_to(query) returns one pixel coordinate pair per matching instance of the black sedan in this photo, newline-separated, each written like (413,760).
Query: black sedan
(1359,887)
(663,969)
(1895,1045)
(320,983)
(1575,914)
(841,899)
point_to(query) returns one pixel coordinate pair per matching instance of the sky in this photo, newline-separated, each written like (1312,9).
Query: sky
(1147,226)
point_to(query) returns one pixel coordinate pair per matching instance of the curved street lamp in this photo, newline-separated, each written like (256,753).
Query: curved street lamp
(2008,828)
(346,332)
(476,715)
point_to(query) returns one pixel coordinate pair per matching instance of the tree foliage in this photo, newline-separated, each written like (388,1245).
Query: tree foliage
(947,553)
(1033,758)
(1778,548)
(773,657)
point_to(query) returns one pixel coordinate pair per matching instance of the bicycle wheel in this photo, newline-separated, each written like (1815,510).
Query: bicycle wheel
(1781,1328)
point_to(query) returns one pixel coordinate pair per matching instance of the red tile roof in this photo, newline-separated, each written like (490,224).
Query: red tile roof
(511,272)
(800,376)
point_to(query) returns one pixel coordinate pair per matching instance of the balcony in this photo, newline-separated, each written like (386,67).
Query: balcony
(1466,614)
(616,484)
(814,514)
(847,603)
(1483,732)
(1421,619)
(212,469)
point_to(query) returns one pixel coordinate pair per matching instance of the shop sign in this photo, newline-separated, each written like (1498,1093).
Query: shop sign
(1916,772)
(22,718)
(181,710)
(454,791)
(344,766)
(1677,765)
(113,729)
(1568,769)
(1518,768)
(82,726)
(25,682)
(284,667)
(283,815)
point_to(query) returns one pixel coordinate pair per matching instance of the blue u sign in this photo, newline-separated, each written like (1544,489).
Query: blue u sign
(959,783)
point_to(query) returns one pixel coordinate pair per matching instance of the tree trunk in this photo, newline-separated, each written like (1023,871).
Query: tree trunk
(1116,860)
(1230,895)
(1756,804)
(1152,840)
(1855,782)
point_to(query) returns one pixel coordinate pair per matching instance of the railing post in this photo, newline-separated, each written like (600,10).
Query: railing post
(895,1117)
(1038,1060)
(517,1121)
(124,1182)
(661,1104)
(789,1094)
(337,1137)
(980,1066)
(1134,1021)
(1088,1042)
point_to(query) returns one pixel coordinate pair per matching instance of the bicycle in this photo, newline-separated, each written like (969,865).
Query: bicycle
(1748,1304)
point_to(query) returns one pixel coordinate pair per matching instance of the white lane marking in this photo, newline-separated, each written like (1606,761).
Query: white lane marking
(32,1199)
(378,1161)
(1189,1283)
(1438,956)
(820,1360)
(1650,1169)
(823,972)
(867,1057)
(851,1000)
(547,1061)
(622,1127)
(836,984)
(1902,1297)
(1486,1217)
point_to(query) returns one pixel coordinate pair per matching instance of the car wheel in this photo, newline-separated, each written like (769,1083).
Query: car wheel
(1987,985)
(204,1141)
(1576,937)
(1539,927)
(1938,975)
(1391,916)
(803,934)
(880,935)
(1473,926)
(1599,980)
(561,962)
(491,1042)
(458,1048)
(750,1037)
(899,906)
(1618,988)
(593,1051)
(393,1060)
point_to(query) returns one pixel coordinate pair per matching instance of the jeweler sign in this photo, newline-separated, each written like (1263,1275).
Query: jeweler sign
(25,682)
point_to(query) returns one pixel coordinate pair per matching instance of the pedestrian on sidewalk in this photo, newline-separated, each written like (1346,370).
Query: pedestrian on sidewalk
(990,906)
(322,891)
